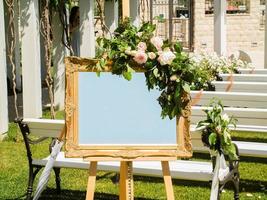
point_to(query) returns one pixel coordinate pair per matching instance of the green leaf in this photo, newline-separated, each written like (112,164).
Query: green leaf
(98,74)
(178,47)
(212,139)
(186,87)
(156,72)
(127,75)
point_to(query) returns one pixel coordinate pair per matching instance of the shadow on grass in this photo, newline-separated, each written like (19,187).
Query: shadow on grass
(51,193)
(246,185)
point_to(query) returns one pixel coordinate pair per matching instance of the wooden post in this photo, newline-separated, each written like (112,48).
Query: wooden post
(170,20)
(134,12)
(125,8)
(59,51)
(91,181)
(126,180)
(265,40)
(220,27)
(87,30)
(3,76)
(167,180)
(30,59)
(112,14)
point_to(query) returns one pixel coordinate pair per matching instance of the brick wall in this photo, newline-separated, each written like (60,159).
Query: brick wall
(243,30)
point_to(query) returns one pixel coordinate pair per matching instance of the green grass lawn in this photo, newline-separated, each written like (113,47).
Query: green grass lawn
(14,174)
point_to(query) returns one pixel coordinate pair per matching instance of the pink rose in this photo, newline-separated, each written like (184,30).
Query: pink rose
(157,42)
(152,55)
(141,46)
(166,57)
(140,57)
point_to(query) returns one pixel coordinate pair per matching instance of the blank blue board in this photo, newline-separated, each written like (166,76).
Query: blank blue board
(114,111)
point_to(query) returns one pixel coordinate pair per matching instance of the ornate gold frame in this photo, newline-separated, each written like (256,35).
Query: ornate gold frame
(111,152)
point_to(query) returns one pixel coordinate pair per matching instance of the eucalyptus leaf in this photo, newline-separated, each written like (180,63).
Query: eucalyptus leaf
(186,87)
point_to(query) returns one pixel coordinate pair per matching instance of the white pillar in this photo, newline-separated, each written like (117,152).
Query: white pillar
(134,12)
(220,27)
(30,58)
(87,30)
(17,47)
(59,52)
(265,41)
(112,14)
(3,76)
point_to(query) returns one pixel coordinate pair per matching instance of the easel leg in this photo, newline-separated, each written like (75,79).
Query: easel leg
(91,181)
(126,180)
(167,180)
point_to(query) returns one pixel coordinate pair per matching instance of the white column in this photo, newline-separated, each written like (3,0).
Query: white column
(3,75)
(17,47)
(112,14)
(134,12)
(30,58)
(59,52)
(87,30)
(220,27)
(265,41)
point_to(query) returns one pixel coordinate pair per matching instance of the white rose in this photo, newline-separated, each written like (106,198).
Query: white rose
(140,57)
(166,57)
(157,42)
(152,55)
(141,46)
(225,117)
(174,77)
(133,53)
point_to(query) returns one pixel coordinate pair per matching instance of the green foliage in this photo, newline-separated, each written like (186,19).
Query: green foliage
(216,132)
(167,68)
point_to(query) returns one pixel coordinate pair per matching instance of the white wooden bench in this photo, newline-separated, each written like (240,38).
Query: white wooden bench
(239,86)
(46,128)
(252,71)
(250,109)
(245,77)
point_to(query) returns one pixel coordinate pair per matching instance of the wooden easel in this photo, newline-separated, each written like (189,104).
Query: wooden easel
(126,167)
(126,180)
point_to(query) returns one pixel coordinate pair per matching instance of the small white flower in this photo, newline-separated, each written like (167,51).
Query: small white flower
(225,117)
(140,57)
(139,34)
(128,51)
(166,57)
(141,46)
(152,55)
(157,42)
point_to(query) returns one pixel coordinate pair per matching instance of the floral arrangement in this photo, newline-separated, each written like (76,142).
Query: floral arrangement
(166,67)
(214,64)
(216,132)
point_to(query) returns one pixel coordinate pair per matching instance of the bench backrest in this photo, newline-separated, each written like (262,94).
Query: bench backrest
(245,77)
(44,127)
(250,109)
(250,87)
(253,71)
